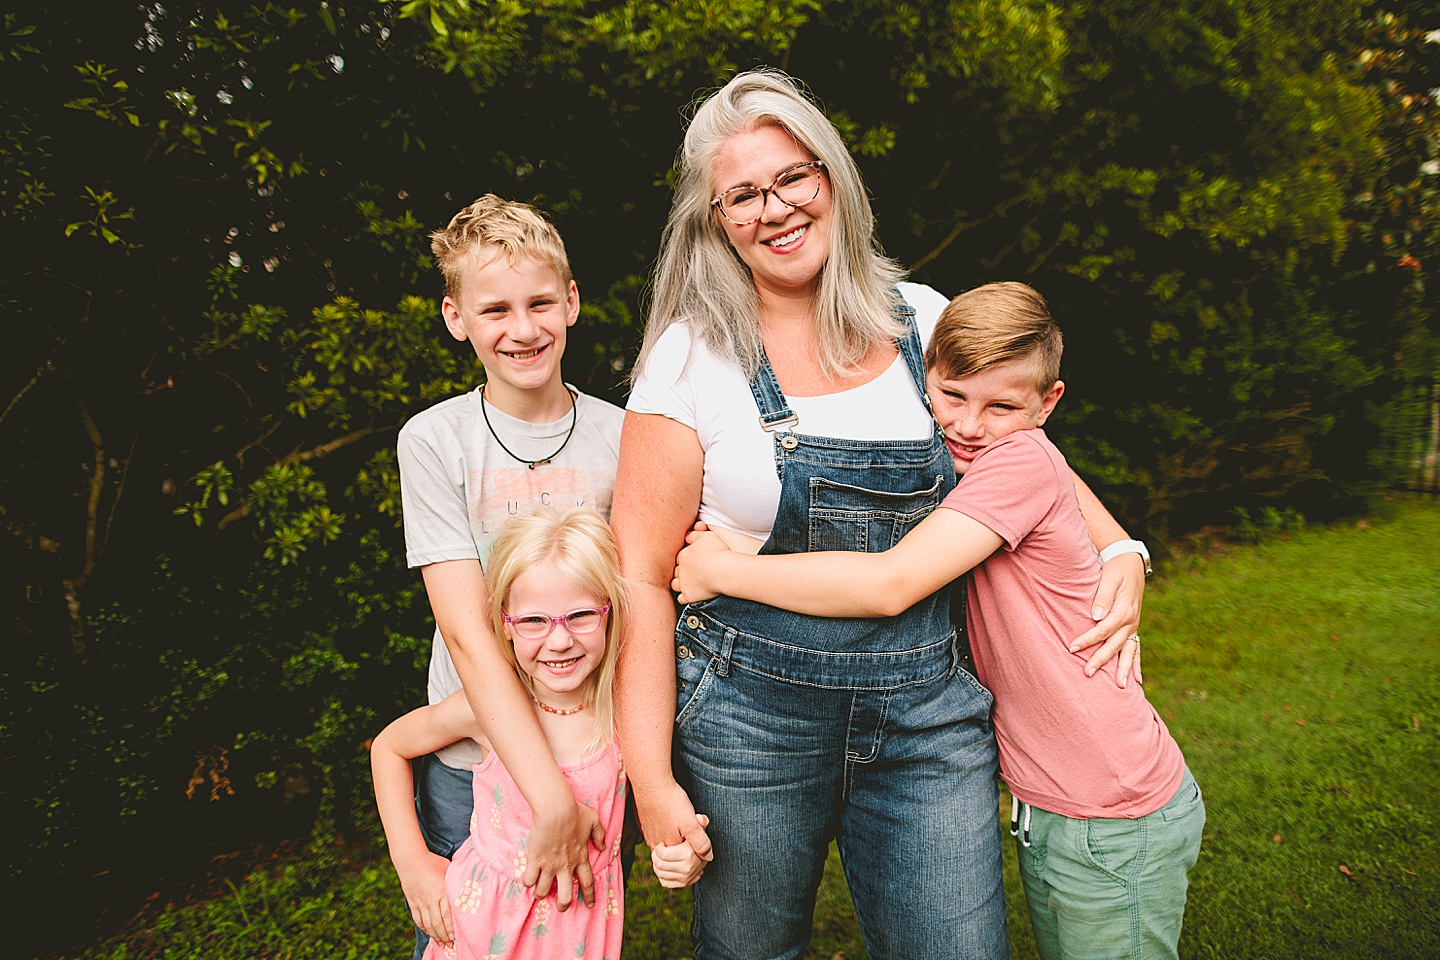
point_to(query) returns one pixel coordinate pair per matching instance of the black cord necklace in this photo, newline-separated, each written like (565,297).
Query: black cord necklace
(532,464)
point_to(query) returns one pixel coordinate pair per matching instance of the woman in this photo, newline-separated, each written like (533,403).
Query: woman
(772,300)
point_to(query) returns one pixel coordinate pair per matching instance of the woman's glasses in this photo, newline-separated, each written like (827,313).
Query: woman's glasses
(538,626)
(794,187)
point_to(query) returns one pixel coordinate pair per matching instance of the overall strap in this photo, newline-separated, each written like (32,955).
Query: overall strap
(775,413)
(913,352)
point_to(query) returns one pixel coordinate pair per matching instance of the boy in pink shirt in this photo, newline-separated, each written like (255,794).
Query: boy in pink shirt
(1108,819)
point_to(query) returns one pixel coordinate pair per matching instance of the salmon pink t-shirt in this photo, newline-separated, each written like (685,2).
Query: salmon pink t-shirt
(1074,745)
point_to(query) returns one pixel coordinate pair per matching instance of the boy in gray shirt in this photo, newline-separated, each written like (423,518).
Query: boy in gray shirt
(523,439)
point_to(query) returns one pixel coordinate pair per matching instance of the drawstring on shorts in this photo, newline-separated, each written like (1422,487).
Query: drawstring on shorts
(1015,827)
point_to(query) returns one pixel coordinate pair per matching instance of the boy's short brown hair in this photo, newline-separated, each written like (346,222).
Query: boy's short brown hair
(518,229)
(994,324)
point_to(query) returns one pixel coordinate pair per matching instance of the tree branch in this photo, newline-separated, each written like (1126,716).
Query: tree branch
(49,367)
(97,490)
(257,442)
(301,456)
(73,586)
(961,227)
(120,488)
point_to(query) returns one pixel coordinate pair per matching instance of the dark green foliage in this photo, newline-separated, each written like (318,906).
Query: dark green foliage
(219,309)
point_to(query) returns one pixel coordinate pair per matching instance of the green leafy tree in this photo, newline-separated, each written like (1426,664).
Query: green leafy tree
(220,308)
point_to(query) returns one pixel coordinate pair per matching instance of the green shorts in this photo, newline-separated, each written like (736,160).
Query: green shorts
(1111,888)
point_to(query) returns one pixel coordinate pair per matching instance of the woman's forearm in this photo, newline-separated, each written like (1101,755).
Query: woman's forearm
(1119,597)
(645,688)
(656,502)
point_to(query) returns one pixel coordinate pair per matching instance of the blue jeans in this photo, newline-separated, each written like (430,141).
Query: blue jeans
(444,799)
(1112,889)
(902,776)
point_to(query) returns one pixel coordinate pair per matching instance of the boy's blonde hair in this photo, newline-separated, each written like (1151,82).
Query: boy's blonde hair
(994,324)
(580,543)
(518,229)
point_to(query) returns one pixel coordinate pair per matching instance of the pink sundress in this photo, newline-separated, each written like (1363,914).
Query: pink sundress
(494,914)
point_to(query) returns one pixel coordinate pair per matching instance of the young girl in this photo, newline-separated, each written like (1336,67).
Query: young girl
(558,608)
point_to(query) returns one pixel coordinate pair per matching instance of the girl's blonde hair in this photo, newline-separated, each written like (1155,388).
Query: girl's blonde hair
(700,279)
(580,543)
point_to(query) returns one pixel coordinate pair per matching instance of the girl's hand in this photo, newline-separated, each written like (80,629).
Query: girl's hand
(1117,608)
(678,865)
(696,565)
(423,884)
(667,817)
(559,852)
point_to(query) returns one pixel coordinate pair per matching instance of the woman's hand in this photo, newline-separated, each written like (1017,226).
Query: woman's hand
(559,851)
(667,817)
(1117,610)
(423,883)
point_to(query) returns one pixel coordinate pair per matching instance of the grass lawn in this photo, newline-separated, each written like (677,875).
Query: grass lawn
(1300,678)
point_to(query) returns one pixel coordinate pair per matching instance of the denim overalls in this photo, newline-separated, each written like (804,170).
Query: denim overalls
(791,729)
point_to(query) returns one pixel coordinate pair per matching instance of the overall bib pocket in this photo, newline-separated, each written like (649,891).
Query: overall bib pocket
(846,517)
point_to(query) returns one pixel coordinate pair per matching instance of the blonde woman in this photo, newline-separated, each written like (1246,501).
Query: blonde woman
(780,394)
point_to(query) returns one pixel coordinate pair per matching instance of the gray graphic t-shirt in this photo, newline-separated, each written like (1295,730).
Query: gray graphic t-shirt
(458,486)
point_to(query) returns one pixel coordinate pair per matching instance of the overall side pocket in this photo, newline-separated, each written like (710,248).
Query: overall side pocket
(694,671)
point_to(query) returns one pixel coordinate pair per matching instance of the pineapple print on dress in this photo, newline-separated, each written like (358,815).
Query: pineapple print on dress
(496,917)
(542,914)
(472,892)
(612,893)
(519,860)
(497,800)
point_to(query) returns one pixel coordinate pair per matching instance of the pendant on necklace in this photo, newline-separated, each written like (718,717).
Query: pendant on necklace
(532,464)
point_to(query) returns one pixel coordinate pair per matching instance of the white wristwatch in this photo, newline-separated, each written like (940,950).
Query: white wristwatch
(1127,546)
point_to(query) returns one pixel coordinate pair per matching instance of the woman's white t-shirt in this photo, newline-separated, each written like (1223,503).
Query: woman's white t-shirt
(684,381)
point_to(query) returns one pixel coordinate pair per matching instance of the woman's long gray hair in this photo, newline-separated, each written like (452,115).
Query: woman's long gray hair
(699,277)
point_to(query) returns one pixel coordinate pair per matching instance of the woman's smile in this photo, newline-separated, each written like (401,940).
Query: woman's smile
(787,239)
